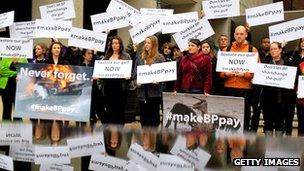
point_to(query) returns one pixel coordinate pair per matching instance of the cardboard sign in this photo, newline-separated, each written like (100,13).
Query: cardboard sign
(52,155)
(112,69)
(109,21)
(265,14)
(51,29)
(7,19)
(301,87)
(236,61)
(86,146)
(178,22)
(132,13)
(275,75)
(105,163)
(16,134)
(6,162)
(221,8)
(58,11)
(23,153)
(173,163)
(160,72)
(193,32)
(287,31)
(22,48)
(24,30)
(87,39)
(147,28)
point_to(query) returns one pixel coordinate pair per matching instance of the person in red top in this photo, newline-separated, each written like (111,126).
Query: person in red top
(195,71)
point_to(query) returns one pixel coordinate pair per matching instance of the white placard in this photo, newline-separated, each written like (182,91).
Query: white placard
(193,31)
(287,31)
(221,8)
(105,163)
(146,159)
(173,163)
(131,166)
(22,48)
(6,162)
(52,155)
(275,75)
(236,61)
(132,13)
(178,22)
(7,19)
(51,29)
(23,153)
(149,12)
(112,68)
(86,146)
(16,133)
(87,39)
(159,72)
(109,21)
(301,87)
(56,167)
(58,11)
(265,14)
(147,28)
(22,30)
(197,157)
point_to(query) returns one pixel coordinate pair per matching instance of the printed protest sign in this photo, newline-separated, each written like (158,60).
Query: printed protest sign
(52,155)
(236,61)
(24,30)
(221,8)
(47,91)
(287,31)
(87,39)
(150,12)
(16,134)
(193,31)
(21,48)
(6,162)
(109,21)
(23,153)
(56,167)
(275,75)
(105,163)
(132,13)
(112,69)
(131,166)
(51,29)
(265,14)
(58,11)
(7,19)
(144,29)
(173,163)
(178,22)
(159,72)
(194,111)
(301,87)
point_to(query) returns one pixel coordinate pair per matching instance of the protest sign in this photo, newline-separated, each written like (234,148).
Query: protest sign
(21,48)
(52,155)
(55,167)
(105,163)
(301,87)
(159,72)
(275,75)
(221,8)
(265,14)
(236,61)
(16,134)
(7,19)
(48,91)
(112,69)
(23,153)
(150,12)
(131,166)
(87,39)
(173,163)
(58,11)
(22,30)
(109,21)
(51,29)
(6,162)
(177,22)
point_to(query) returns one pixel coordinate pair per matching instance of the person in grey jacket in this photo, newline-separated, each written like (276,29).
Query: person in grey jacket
(149,95)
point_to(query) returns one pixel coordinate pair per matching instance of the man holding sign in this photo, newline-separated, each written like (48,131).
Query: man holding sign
(239,83)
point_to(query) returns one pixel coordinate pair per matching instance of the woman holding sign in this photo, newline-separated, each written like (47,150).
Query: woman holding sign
(115,90)
(195,71)
(274,100)
(149,95)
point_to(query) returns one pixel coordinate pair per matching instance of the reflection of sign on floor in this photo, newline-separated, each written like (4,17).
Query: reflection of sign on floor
(189,111)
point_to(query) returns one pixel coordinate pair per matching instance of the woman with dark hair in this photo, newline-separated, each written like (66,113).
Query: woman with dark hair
(115,90)
(167,51)
(149,95)
(195,71)
(274,100)
(55,54)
